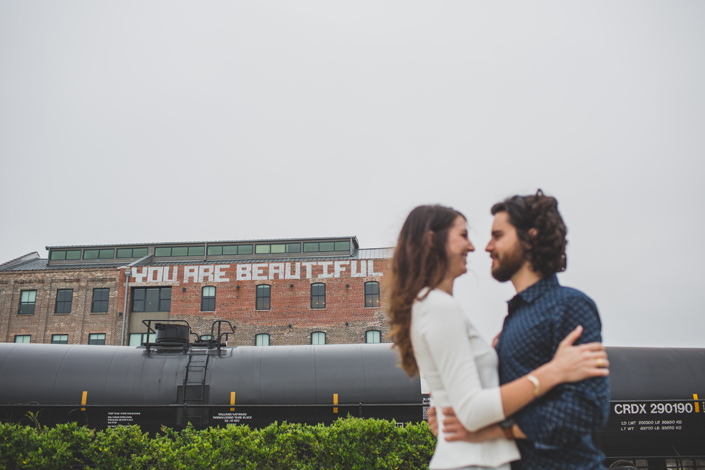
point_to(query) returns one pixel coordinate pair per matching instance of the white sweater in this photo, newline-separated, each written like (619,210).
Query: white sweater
(461,371)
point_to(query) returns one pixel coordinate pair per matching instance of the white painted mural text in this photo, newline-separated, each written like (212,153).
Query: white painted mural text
(255,271)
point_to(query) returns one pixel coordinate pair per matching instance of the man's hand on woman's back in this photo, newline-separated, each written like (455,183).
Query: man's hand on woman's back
(453,430)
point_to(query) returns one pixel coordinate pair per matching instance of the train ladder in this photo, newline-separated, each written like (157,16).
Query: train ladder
(194,390)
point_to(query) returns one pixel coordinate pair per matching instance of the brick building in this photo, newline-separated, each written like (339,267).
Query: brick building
(275,292)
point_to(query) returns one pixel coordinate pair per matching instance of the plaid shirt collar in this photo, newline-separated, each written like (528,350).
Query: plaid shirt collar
(531,293)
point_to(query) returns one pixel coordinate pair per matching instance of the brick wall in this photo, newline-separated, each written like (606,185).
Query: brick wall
(235,301)
(43,323)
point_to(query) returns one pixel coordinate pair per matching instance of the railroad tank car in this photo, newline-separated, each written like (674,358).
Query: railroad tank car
(657,419)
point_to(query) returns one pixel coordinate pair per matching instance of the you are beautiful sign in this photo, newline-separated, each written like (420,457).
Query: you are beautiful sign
(255,271)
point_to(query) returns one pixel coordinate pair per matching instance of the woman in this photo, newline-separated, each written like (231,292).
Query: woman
(437,341)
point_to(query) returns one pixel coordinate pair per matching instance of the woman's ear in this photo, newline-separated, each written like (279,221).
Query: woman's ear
(430,238)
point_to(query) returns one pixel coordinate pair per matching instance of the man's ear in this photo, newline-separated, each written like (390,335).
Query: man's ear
(533,233)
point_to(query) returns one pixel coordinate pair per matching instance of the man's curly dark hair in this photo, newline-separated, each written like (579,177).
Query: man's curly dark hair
(544,248)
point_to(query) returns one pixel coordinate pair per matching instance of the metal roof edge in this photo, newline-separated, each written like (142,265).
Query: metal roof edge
(301,239)
(34,255)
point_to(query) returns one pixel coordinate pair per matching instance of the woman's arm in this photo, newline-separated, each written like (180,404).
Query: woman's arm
(442,346)
(569,364)
(444,328)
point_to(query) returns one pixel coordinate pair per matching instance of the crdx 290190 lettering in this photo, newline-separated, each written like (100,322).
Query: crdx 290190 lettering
(654,408)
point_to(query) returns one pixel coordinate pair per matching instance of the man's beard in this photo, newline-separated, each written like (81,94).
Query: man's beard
(509,264)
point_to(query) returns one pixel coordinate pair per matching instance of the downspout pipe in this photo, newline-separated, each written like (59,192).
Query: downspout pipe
(124,308)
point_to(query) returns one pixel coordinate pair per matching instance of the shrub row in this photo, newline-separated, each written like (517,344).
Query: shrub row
(349,443)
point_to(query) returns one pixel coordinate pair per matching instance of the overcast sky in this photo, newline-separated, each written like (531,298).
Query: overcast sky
(162,121)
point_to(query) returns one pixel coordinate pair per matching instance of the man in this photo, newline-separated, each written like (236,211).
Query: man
(528,248)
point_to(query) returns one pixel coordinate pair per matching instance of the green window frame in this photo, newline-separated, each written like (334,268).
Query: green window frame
(162,251)
(169,251)
(101,300)
(151,299)
(229,250)
(263,297)
(131,252)
(64,300)
(136,339)
(373,336)
(372,294)
(326,247)
(318,338)
(318,295)
(65,255)
(99,253)
(59,339)
(96,339)
(277,248)
(28,300)
(196,250)
(262,339)
(179,251)
(208,299)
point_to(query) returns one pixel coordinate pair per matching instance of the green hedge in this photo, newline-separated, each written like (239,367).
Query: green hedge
(349,443)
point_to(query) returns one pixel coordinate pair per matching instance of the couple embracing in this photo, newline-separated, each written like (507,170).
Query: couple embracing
(548,358)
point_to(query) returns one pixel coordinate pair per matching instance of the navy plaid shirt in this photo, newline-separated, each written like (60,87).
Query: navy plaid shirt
(558,425)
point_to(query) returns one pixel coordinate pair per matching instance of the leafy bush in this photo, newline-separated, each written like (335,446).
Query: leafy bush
(349,443)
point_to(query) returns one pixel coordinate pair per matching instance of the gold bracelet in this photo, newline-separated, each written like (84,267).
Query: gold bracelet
(537,384)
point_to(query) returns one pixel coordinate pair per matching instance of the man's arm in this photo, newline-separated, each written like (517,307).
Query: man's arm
(454,430)
(570,411)
(432,421)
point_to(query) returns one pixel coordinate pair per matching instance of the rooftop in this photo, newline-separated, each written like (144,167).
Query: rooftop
(194,253)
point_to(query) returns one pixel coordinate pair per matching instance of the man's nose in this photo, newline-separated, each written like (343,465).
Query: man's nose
(490,246)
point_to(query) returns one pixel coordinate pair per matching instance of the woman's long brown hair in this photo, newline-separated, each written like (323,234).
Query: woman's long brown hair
(419,261)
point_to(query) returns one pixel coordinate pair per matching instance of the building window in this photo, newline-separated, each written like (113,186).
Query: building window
(196,250)
(100,300)
(263,297)
(99,254)
(373,337)
(262,340)
(277,248)
(23,338)
(131,252)
(136,339)
(326,247)
(318,296)
(167,251)
(96,339)
(64,298)
(208,299)
(221,250)
(151,299)
(62,255)
(372,294)
(318,337)
(241,250)
(59,339)
(27,300)
(218,250)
